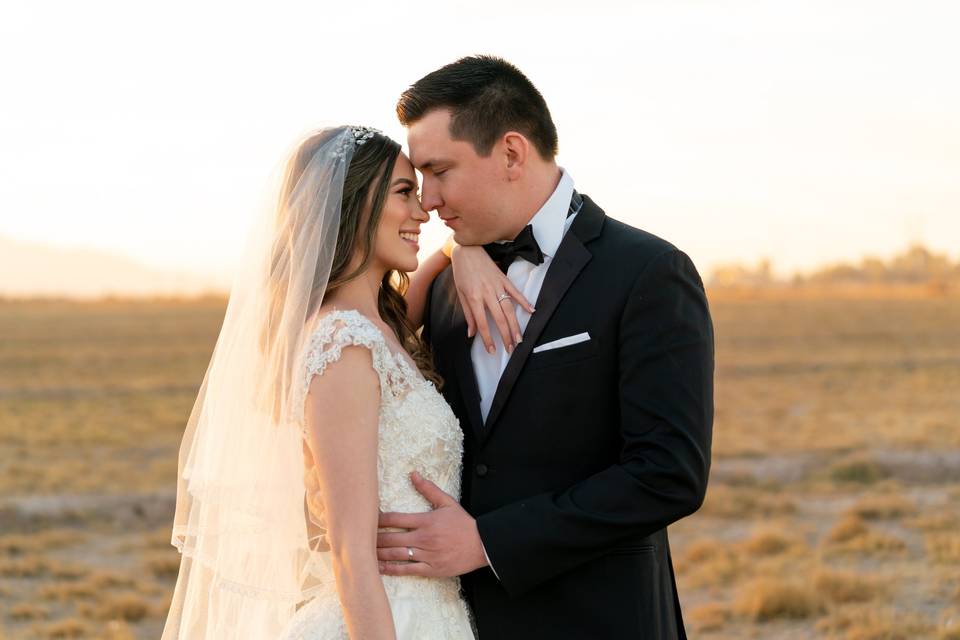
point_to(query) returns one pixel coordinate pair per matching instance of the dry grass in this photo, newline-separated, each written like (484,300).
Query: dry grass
(18,544)
(723,501)
(940,521)
(28,611)
(943,547)
(768,598)
(873,543)
(58,538)
(31,566)
(62,629)
(768,541)
(119,630)
(709,563)
(163,565)
(93,399)
(112,580)
(709,617)
(883,507)
(859,469)
(852,535)
(127,606)
(847,529)
(843,587)
(68,591)
(869,623)
(69,570)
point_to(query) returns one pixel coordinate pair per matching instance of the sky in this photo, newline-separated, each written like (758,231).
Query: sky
(803,132)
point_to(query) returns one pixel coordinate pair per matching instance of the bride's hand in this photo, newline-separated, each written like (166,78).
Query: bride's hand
(479,284)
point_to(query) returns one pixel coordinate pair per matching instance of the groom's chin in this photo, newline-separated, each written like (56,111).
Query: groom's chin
(466,239)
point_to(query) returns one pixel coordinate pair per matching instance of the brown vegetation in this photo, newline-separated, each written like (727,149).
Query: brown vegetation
(833,504)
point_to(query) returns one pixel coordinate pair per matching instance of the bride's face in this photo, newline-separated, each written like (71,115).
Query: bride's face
(396,240)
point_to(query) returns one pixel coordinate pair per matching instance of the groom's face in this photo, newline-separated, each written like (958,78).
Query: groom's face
(466,190)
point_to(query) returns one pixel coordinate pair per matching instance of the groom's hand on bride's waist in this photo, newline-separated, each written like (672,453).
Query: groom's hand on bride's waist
(444,542)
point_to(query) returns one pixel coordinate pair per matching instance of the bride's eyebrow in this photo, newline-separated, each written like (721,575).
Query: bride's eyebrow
(410,183)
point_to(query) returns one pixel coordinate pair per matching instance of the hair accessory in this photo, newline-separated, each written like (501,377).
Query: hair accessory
(361,134)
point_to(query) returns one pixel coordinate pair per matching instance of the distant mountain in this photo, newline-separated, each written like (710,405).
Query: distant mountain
(33,270)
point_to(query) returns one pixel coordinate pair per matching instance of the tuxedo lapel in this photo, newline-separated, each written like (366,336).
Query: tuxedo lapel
(572,256)
(466,378)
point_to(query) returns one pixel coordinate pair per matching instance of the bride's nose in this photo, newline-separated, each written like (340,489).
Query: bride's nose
(419,214)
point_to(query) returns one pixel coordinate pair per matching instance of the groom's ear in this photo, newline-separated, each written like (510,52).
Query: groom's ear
(516,150)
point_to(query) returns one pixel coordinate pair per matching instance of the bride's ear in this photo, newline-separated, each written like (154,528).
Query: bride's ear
(516,149)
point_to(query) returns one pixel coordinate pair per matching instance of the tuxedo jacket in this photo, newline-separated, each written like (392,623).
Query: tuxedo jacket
(590,449)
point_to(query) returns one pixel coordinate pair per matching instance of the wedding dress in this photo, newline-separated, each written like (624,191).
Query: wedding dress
(417,431)
(254,560)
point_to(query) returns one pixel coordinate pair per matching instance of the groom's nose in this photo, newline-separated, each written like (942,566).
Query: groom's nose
(430,196)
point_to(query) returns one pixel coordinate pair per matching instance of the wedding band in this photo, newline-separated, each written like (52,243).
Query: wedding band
(502,297)
(410,553)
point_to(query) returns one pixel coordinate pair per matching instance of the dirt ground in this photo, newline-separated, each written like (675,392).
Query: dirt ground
(833,509)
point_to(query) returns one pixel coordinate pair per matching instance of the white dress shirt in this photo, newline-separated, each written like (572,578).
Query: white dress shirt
(550,224)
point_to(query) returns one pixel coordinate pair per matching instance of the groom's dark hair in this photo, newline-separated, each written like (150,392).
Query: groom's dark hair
(487,96)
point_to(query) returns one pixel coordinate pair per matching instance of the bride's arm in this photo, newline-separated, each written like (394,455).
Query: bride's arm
(342,418)
(479,284)
(420,281)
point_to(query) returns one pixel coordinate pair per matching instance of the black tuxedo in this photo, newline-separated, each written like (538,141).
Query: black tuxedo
(589,451)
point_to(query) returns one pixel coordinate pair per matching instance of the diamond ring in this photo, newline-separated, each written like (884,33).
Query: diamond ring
(410,553)
(503,297)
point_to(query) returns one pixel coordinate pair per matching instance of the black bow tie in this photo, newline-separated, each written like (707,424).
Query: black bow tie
(523,246)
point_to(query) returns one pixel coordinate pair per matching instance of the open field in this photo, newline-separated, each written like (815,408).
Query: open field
(833,509)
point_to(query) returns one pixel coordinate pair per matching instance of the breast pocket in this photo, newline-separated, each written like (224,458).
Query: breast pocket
(562,351)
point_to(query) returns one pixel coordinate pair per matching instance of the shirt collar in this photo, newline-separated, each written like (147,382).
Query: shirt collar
(550,221)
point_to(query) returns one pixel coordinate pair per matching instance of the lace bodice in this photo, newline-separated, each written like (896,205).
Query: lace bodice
(417,432)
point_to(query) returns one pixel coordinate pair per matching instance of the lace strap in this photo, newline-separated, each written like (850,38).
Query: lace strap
(340,329)
(345,328)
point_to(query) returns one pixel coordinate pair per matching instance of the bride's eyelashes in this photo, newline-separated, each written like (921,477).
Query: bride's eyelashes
(406,191)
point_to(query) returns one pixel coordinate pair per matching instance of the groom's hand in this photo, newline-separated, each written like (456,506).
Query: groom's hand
(445,541)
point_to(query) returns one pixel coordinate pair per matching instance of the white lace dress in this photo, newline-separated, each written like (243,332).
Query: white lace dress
(418,431)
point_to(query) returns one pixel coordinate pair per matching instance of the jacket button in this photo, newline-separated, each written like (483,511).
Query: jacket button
(481,469)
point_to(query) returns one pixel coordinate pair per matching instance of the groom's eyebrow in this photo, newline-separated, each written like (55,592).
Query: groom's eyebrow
(428,165)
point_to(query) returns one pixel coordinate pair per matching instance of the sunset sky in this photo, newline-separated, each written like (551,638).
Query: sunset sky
(804,132)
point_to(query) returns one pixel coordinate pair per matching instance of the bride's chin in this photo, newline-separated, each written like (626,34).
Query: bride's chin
(406,266)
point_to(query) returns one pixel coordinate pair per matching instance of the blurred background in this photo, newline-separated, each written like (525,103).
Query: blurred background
(805,155)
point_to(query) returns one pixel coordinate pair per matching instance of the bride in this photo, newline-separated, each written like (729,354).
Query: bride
(319,400)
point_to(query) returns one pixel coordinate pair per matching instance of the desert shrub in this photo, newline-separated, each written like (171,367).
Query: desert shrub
(770,598)
(843,587)
(858,469)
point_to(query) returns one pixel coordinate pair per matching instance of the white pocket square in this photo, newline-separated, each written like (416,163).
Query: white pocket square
(562,342)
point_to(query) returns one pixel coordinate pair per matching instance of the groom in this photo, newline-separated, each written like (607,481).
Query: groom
(593,435)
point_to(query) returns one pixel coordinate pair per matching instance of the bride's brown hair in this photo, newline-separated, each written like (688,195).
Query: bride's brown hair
(367,179)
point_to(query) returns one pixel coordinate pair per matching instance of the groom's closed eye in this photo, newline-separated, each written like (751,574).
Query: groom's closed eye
(435,167)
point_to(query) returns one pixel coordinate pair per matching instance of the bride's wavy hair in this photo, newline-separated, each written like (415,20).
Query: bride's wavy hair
(367,180)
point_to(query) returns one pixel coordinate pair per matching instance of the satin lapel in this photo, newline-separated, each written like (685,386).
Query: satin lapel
(572,256)
(466,378)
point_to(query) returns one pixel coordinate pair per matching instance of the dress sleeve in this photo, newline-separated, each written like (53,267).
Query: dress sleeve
(333,334)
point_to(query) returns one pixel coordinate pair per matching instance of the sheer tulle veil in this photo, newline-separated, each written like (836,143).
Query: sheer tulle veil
(239,521)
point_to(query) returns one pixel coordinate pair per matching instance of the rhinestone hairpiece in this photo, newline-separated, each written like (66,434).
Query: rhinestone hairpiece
(361,134)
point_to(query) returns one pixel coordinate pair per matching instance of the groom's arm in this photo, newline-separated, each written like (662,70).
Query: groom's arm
(666,409)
